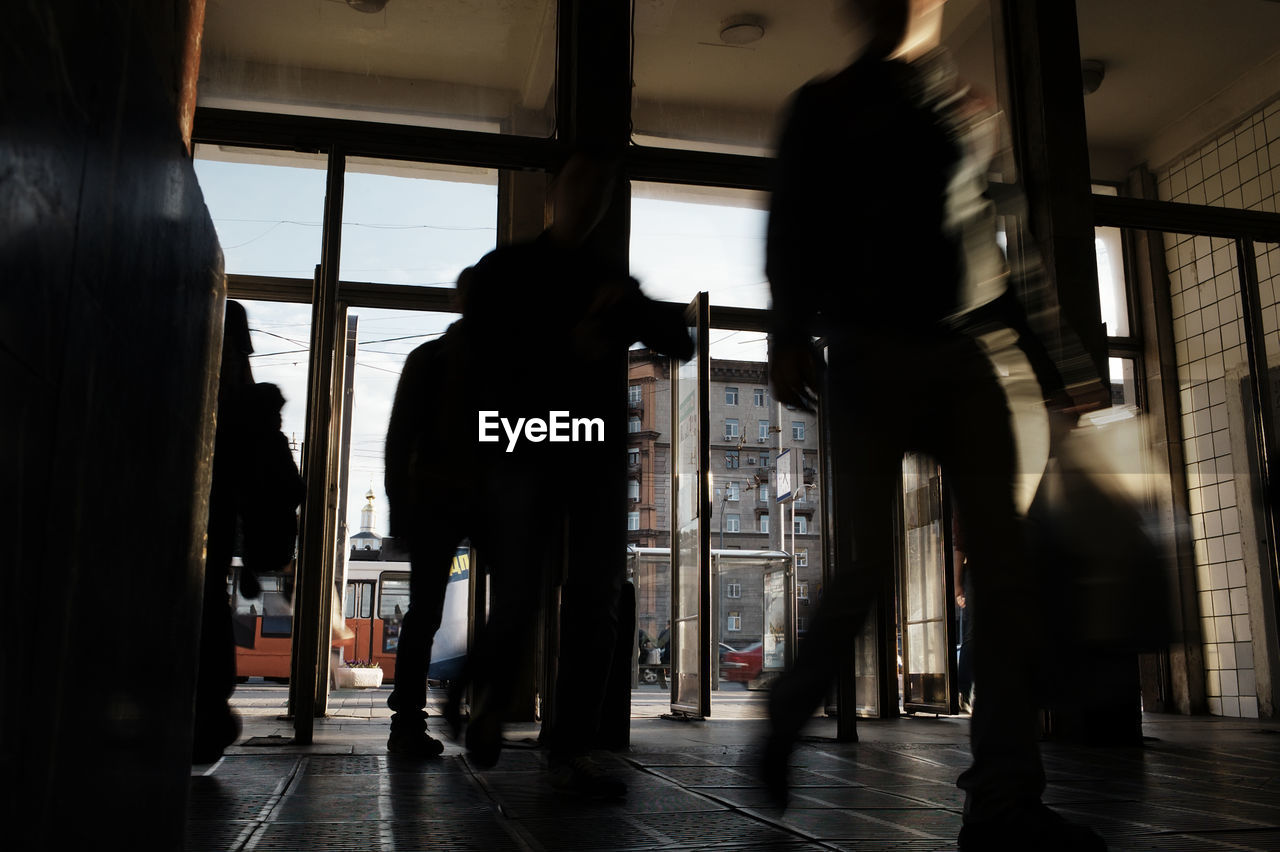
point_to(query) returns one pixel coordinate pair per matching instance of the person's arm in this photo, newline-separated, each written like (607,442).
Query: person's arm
(791,261)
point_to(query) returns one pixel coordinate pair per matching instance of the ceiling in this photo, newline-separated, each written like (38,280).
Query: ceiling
(490,63)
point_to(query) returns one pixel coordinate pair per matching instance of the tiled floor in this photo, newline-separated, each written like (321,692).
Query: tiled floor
(1197,784)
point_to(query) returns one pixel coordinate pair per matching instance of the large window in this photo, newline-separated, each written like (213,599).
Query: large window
(267,208)
(415,223)
(688,239)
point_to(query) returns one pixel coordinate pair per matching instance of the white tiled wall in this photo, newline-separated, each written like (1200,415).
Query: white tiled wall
(1240,169)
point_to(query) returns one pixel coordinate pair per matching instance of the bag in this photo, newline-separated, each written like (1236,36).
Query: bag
(1104,571)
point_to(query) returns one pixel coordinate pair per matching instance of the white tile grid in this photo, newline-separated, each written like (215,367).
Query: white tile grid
(1239,169)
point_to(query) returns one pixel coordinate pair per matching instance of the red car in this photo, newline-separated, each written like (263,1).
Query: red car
(742,666)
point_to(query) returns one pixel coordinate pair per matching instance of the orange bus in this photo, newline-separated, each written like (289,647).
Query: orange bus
(374,598)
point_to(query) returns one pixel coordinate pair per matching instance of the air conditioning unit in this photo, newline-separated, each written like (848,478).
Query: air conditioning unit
(762,440)
(751,459)
(728,437)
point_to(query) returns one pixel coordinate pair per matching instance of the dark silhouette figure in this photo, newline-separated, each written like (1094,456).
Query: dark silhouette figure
(253,505)
(430,480)
(865,248)
(528,501)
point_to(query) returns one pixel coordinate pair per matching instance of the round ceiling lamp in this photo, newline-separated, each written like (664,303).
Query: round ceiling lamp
(370,6)
(741,30)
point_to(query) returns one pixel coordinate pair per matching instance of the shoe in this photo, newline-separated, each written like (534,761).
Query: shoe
(583,775)
(1036,828)
(417,744)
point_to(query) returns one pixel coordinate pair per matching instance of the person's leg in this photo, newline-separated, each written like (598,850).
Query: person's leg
(867,462)
(1004,784)
(215,725)
(588,641)
(431,555)
(513,540)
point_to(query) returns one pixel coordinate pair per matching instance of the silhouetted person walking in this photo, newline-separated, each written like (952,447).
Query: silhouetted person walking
(864,247)
(551,306)
(253,502)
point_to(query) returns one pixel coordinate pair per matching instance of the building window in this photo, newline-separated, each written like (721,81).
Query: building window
(732,492)
(802,624)
(802,525)
(633,455)
(633,489)
(758,396)
(634,424)
(633,521)
(732,459)
(797,430)
(802,557)
(764,458)
(763,488)
(633,394)
(734,622)
(732,523)
(730,428)
(802,588)
(730,396)
(733,590)
(764,430)
(764,522)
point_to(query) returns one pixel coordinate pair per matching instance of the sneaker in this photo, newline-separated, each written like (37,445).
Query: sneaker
(1036,828)
(582,774)
(417,744)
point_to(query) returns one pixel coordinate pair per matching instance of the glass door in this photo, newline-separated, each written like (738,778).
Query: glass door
(925,589)
(691,553)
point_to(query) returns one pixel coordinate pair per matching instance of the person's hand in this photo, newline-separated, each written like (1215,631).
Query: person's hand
(960,600)
(795,370)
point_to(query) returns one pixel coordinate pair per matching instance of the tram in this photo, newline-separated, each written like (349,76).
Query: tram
(375,597)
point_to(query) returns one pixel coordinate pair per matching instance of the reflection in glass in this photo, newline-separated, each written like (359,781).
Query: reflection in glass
(924,605)
(1124,386)
(1112,292)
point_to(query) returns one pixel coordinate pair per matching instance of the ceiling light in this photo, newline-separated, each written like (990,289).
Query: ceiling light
(369,6)
(742,30)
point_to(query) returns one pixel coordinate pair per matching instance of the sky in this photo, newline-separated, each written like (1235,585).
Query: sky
(411,228)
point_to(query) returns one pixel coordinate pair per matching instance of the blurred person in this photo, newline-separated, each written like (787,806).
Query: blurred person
(869,245)
(253,503)
(570,317)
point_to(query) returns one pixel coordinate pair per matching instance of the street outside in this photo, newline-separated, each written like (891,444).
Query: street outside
(259,698)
